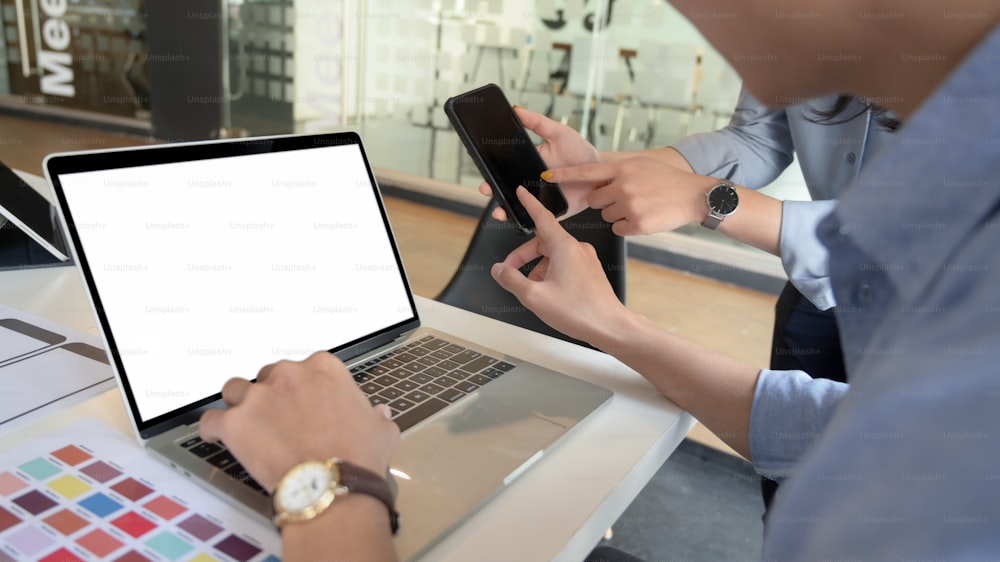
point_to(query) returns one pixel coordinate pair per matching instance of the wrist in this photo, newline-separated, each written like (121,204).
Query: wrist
(722,200)
(360,456)
(699,197)
(309,489)
(356,527)
(364,511)
(619,334)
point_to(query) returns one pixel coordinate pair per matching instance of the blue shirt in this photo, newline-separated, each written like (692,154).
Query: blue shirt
(759,141)
(758,145)
(904,463)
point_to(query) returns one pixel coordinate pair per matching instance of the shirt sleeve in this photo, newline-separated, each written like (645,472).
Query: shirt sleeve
(805,258)
(790,411)
(751,151)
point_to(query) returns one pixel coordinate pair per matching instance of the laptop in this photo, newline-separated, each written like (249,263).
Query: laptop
(207,260)
(30,234)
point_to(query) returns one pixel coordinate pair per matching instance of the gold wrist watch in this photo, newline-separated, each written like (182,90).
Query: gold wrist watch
(308,488)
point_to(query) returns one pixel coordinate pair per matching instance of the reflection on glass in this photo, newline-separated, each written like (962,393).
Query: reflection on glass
(85,55)
(627,74)
(602,67)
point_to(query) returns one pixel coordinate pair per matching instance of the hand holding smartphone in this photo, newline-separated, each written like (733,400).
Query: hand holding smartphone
(503,152)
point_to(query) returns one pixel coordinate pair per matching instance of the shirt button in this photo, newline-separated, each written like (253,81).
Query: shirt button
(864,293)
(851,158)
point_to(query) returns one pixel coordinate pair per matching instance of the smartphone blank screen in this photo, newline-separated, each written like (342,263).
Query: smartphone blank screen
(492,129)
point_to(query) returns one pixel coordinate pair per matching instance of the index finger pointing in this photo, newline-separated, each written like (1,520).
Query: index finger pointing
(596,172)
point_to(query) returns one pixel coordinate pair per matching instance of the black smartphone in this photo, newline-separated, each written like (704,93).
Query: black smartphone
(503,152)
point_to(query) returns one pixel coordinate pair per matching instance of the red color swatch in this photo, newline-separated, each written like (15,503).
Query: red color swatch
(62,555)
(134,524)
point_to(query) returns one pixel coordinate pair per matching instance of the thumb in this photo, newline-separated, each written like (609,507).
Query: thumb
(510,278)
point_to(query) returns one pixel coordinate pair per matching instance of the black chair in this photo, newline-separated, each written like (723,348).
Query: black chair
(610,554)
(473,288)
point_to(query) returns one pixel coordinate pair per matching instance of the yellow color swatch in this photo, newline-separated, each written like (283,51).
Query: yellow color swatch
(203,558)
(69,486)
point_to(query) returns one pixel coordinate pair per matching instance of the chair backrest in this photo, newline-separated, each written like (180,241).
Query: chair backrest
(473,288)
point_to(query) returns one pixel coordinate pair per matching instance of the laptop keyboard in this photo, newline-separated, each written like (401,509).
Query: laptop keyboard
(218,456)
(416,380)
(422,377)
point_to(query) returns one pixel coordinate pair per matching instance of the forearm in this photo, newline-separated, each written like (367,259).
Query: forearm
(355,527)
(756,222)
(666,154)
(715,388)
(672,196)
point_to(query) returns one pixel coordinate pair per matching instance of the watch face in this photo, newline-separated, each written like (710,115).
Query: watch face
(303,486)
(723,200)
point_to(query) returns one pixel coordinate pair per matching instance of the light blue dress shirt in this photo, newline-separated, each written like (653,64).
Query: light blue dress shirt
(905,463)
(759,142)
(757,146)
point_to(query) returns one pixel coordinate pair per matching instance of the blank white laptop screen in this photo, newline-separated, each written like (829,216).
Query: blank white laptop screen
(210,269)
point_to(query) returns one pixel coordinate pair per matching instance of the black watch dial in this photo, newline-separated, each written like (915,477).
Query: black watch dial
(723,199)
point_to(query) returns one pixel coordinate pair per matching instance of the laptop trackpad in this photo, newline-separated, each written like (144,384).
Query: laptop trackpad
(449,466)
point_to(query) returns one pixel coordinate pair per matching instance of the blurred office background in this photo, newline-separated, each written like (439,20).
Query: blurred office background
(628,74)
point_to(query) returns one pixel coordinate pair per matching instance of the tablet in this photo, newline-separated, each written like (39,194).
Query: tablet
(29,211)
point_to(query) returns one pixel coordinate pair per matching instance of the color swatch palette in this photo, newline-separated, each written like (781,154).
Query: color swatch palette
(101,497)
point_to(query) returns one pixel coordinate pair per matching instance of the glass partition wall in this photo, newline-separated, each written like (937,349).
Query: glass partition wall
(84,56)
(627,74)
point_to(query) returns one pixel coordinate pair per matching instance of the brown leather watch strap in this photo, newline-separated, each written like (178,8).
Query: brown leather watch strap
(363,481)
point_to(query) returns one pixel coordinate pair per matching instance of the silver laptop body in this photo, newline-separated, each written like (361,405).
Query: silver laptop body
(208,260)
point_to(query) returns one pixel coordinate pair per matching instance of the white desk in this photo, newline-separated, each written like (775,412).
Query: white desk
(557,510)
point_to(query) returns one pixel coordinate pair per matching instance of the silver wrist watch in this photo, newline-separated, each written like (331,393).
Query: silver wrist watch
(722,202)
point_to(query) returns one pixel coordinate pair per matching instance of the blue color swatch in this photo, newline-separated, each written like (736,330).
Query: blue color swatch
(100,505)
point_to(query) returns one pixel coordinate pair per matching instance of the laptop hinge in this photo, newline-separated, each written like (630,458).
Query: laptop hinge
(375,352)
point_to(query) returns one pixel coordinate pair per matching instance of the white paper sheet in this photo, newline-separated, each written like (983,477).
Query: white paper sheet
(45,366)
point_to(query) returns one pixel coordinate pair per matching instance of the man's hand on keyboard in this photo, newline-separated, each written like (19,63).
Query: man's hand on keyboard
(301,410)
